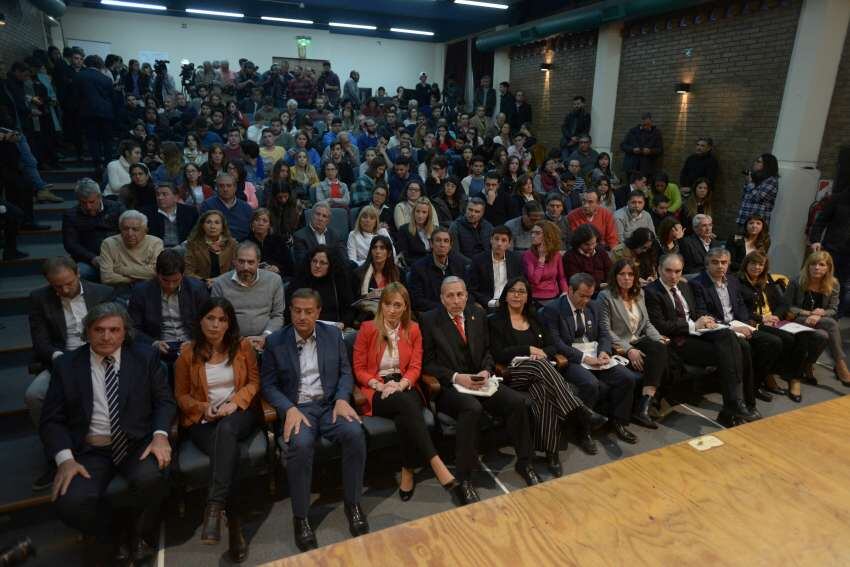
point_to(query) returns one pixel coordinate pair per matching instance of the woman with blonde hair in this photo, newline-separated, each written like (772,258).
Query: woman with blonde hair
(542,263)
(302,175)
(210,248)
(366,227)
(813,301)
(387,367)
(414,237)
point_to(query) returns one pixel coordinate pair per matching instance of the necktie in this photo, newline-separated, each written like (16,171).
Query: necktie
(580,329)
(680,314)
(459,325)
(119,438)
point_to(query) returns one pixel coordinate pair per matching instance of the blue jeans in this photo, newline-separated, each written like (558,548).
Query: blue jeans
(88,272)
(29,164)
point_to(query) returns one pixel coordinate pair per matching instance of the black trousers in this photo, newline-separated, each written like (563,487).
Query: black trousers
(84,507)
(767,351)
(466,409)
(620,382)
(220,440)
(722,350)
(798,350)
(655,361)
(405,409)
(99,139)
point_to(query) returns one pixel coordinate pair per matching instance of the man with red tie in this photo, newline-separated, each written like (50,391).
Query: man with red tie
(456,351)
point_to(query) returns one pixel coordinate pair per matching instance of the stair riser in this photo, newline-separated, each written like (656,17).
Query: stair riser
(21,268)
(17,358)
(45,237)
(15,306)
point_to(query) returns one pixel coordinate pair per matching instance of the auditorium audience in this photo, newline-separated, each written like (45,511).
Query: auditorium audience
(256,295)
(374,274)
(318,232)
(642,146)
(670,233)
(427,274)
(235,211)
(86,226)
(171,221)
(140,193)
(827,234)
(193,191)
(129,257)
(640,248)
(322,274)
(310,404)
(662,187)
(697,203)
(118,171)
(521,226)
(702,164)
(274,252)
(456,350)
(366,227)
(216,382)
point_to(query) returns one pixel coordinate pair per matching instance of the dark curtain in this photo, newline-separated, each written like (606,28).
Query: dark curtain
(456,64)
(482,64)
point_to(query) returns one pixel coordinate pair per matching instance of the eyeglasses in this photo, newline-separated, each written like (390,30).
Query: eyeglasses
(317,262)
(518,292)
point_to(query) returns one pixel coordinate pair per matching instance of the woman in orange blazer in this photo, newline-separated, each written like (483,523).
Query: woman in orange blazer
(387,365)
(216,383)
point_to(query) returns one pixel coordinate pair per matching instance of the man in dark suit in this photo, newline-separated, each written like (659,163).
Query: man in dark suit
(107,414)
(521,113)
(86,226)
(318,232)
(720,297)
(490,271)
(56,318)
(96,109)
(573,319)
(673,311)
(427,274)
(485,95)
(455,347)
(307,378)
(170,220)
(164,310)
(694,247)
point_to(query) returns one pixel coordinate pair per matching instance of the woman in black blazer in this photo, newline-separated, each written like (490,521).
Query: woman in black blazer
(275,255)
(516,332)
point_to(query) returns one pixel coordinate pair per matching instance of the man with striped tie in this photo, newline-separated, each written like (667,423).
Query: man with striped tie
(107,413)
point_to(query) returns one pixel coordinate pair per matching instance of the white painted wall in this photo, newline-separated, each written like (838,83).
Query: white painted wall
(381,62)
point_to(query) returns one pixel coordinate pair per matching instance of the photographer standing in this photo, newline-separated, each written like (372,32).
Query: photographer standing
(163,83)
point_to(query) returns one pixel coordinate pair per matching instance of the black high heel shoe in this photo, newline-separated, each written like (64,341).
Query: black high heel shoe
(406,495)
(796,398)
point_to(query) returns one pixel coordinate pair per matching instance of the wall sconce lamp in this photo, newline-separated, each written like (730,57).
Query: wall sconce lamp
(2,20)
(545,67)
(683,88)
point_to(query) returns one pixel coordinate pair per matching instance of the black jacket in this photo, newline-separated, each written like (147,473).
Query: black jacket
(443,350)
(575,124)
(697,166)
(830,226)
(640,138)
(145,307)
(82,235)
(708,300)
(479,274)
(754,299)
(694,253)
(662,311)
(47,321)
(503,342)
(146,402)
(469,241)
(410,245)
(187,216)
(274,250)
(96,94)
(425,278)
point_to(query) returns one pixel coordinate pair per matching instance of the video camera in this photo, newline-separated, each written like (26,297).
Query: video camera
(187,74)
(159,66)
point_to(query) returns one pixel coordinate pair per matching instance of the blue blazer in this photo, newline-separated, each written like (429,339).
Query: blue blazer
(558,318)
(281,371)
(147,404)
(145,306)
(95,92)
(708,301)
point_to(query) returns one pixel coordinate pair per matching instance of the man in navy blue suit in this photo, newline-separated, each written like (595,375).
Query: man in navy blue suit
(720,297)
(307,378)
(574,319)
(107,413)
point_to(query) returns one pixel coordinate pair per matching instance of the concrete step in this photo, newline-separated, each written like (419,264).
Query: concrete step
(18,473)
(69,174)
(53,234)
(38,253)
(14,333)
(52,211)
(15,292)
(14,382)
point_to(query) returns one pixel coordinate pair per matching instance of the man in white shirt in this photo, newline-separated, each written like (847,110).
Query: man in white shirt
(490,270)
(107,413)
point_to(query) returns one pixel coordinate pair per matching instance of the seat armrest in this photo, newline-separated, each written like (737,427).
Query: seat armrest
(561,361)
(432,385)
(269,413)
(359,400)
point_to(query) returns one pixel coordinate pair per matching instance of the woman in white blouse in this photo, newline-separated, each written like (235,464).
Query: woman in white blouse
(365,229)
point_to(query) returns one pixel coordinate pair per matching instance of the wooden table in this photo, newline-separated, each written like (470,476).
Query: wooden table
(777,493)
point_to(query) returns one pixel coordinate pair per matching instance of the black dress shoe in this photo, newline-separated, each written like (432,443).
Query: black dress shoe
(305,539)
(528,474)
(727,418)
(741,410)
(238,549)
(455,490)
(357,523)
(588,445)
(624,434)
(796,398)
(756,414)
(211,530)
(470,495)
(591,419)
(641,416)
(140,549)
(764,395)
(553,461)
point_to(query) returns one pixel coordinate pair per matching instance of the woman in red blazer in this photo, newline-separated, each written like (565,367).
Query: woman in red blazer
(387,366)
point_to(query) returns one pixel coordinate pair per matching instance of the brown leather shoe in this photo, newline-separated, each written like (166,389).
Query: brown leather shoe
(211,531)
(238,544)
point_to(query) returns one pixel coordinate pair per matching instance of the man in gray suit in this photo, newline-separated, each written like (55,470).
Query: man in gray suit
(56,318)
(307,378)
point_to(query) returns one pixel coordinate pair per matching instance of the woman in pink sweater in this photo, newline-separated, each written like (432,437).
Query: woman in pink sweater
(542,263)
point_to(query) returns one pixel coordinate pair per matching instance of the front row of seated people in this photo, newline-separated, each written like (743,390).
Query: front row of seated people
(109,406)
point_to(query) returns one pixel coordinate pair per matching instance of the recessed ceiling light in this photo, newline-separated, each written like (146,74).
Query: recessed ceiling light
(483,4)
(121,4)
(415,32)
(286,20)
(214,13)
(352,26)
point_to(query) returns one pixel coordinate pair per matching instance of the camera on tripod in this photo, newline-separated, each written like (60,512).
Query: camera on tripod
(159,66)
(187,74)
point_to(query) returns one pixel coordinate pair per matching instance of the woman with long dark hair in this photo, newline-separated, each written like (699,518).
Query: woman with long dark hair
(171,169)
(377,272)
(216,382)
(286,211)
(640,248)
(670,232)
(516,332)
(523,192)
(140,193)
(387,367)
(216,164)
(245,190)
(192,190)
(760,190)
(323,275)
(275,256)
(632,334)
(753,236)
(697,203)
(450,202)
(603,169)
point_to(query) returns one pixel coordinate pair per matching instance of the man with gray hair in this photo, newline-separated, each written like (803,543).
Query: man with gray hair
(236,212)
(130,256)
(318,232)
(86,226)
(106,414)
(694,247)
(456,349)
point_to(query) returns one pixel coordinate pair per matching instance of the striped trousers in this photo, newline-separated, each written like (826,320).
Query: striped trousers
(552,400)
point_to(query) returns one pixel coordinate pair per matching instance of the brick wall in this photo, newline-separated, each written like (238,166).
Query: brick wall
(23,32)
(736,58)
(837,132)
(573,58)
